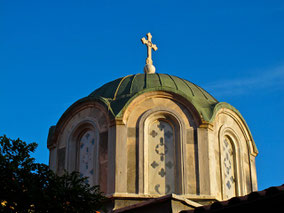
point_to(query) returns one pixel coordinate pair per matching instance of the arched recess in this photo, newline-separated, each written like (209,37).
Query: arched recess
(83,151)
(230,160)
(231,122)
(161,152)
(135,102)
(82,116)
(223,108)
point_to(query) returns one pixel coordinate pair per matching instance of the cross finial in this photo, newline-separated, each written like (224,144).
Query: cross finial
(149,68)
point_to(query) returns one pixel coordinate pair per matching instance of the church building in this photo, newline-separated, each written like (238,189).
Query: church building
(154,137)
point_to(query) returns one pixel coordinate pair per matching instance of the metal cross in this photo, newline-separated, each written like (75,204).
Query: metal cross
(150,46)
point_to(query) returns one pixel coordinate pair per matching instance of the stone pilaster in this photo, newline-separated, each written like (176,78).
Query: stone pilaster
(203,162)
(117,154)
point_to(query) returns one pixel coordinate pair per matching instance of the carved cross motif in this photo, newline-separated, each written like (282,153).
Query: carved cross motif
(161,149)
(153,133)
(168,188)
(154,164)
(169,164)
(161,126)
(86,158)
(161,141)
(87,136)
(162,173)
(161,158)
(150,46)
(228,184)
(228,166)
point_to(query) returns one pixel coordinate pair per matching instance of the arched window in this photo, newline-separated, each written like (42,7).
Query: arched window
(161,152)
(87,156)
(83,151)
(228,165)
(161,157)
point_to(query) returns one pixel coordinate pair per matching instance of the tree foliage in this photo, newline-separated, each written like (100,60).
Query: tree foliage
(26,186)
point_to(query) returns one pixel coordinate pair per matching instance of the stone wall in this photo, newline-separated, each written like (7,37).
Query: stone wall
(122,169)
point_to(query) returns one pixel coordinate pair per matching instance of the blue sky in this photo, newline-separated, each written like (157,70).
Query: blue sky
(53,53)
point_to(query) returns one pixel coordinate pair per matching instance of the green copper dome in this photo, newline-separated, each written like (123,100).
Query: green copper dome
(118,94)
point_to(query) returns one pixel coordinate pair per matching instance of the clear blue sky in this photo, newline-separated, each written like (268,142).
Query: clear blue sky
(53,53)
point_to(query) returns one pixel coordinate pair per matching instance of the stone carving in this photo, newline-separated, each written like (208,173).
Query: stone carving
(153,133)
(228,184)
(157,188)
(161,158)
(86,155)
(168,189)
(162,172)
(228,169)
(169,164)
(161,141)
(87,135)
(161,150)
(161,126)
(154,164)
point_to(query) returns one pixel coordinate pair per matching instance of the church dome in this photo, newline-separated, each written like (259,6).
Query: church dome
(118,94)
(158,136)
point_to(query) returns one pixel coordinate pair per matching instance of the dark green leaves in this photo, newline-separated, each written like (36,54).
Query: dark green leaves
(26,186)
